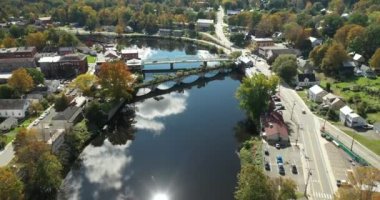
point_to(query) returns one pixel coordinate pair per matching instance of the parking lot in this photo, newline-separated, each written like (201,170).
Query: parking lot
(291,156)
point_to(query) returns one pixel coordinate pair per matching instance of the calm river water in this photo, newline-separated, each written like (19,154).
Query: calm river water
(180,147)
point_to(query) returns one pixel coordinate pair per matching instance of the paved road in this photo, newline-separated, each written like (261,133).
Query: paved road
(6,155)
(219,28)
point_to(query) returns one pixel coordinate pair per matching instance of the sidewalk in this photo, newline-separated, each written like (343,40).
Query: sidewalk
(6,155)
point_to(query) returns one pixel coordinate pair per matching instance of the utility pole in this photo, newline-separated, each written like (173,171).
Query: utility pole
(353,139)
(298,133)
(324,123)
(294,104)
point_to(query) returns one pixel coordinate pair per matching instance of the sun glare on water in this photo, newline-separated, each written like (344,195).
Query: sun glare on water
(160,196)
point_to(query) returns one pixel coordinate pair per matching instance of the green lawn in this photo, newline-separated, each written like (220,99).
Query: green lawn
(91,59)
(12,134)
(356,86)
(370,143)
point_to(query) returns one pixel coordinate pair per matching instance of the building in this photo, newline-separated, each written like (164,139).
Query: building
(262,42)
(348,68)
(233,12)
(354,120)
(8,65)
(34,97)
(18,52)
(43,21)
(316,93)
(244,60)
(56,140)
(130,53)
(134,64)
(4,77)
(164,32)
(53,86)
(63,66)
(315,41)
(109,46)
(111,55)
(358,59)
(333,102)
(66,50)
(270,53)
(343,113)
(306,80)
(204,24)
(8,124)
(274,128)
(365,71)
(16,108)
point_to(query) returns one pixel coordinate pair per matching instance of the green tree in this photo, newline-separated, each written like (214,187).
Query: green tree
(116,80)
(331,24)
(37,39)
(253,184)
(67,39)
(284,188)
(47,178)
(371,40)
(333,59)
(286,67)
(6,92)
(35,108)
(94,113)
(9,42)
(253,94)
(11,187)
(84,83)
(238,39)
(21,81)
(61,103)
(358,18)
(37,76)
(16,31)
(375,60)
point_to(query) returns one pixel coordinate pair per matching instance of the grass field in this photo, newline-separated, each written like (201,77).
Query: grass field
(370,143)
(91,59)
(12,134)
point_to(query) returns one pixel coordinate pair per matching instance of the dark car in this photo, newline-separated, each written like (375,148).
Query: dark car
(294,169)
(267,166)
(281,169)
(266,152)
(280,160)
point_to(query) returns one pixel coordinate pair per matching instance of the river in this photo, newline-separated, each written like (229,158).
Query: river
(181,146)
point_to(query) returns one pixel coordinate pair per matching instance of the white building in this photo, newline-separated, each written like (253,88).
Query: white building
(306,80)
(205,24)
(315,41)
(343,113)
(316,93)
(13,108)
(355,120)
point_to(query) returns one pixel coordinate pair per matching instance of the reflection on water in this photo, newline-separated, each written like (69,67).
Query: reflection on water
(151,110)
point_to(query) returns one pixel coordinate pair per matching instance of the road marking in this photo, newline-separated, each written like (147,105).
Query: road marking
(320,195)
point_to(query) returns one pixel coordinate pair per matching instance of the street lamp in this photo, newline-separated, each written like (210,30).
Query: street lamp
(294,104)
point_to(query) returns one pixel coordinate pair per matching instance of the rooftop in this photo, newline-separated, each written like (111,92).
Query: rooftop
(346,110)
(12,104)
(316,89)
(306,77)
(205,21)
(49,59)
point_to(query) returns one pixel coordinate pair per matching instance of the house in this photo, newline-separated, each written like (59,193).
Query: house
(43,21)
(18,52)
(333,102)
(111,55)
(355,120)
(348,68)
(4,77)
(128,29)
(365,71)
(56,140)
(13,108)
(244,60)
(262,42)
(358,59)
(109,46)
(315,41)
(306,80)
(53,86)
(343,113)
(86,50)
(270,53)
(8,124)
(316,93)
(134,64)
(130,53)
(34,97)
(66,50)
(71,115)
(274,128)
(233,12)
(204,24)
(63,66)
(164,32)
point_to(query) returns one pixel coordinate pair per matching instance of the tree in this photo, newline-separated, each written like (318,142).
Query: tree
(37,76)
(286,67)
(371,40)
(253,184)
(21,81)
(11,186)
(317,54)
(358,18)
(6,92)
(35,108)
(84,83)
(337,6)
(9,42)
(94,113)
(333,59)
(253,94)
(284,188)
(116,80)
(331,24)
(61,103)
(67,39)
(238,39)
(292,31)
(47,178)
(375,60)
(37,39)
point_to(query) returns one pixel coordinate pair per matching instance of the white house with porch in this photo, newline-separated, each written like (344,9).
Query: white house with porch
(316,93)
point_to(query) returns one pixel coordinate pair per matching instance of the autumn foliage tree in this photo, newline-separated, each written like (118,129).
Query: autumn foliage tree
(37,39)
(333,59)
(84,83)
(375,60)
(116,80)
(21,81)
(11,186)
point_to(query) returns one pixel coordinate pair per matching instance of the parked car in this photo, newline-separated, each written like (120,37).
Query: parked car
(368,126)
(280,160)
(340,183)
(267,166)
(303,111)
(299,88)
(279,108)
(266,152)
(294,169)
(278,146)
(281,169)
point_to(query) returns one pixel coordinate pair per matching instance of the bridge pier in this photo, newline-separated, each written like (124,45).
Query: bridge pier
(179,80)
(171,66)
